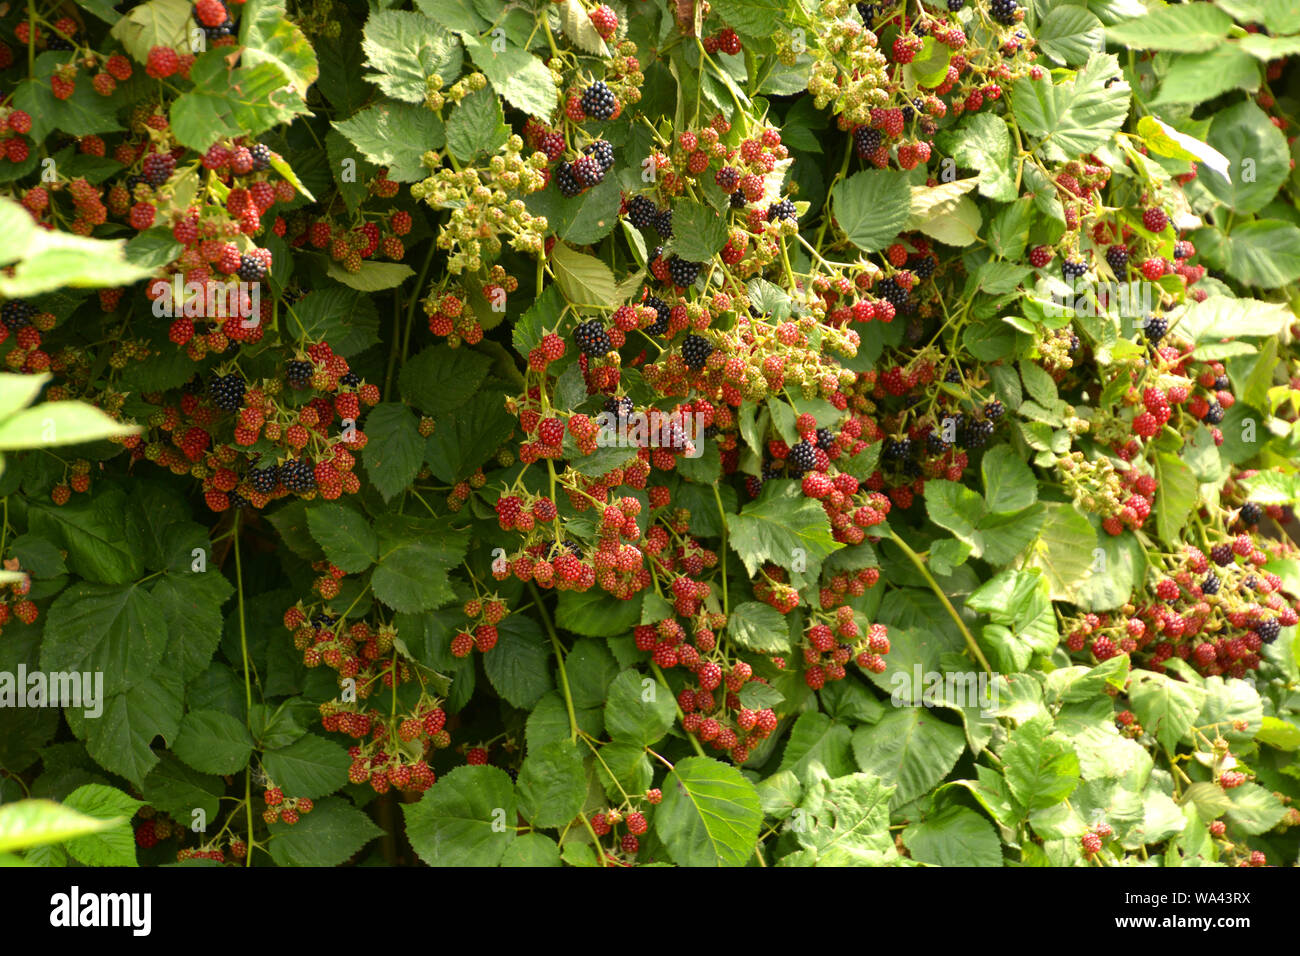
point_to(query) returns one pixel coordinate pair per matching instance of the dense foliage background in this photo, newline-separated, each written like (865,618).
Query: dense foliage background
(966,539)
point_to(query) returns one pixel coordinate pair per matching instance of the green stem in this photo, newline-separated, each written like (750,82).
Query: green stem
(248,687)
(938,591)
(559,657)
(722,521)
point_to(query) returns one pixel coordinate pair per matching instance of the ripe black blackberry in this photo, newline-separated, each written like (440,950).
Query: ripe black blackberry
(598,101)
(1215,414)
(825,439)
(782,210)
(227,391)
(952,376)
(602,152)
(220,30)
(802,457)
(251,268)
(264,480)
(592,339)
(350,379)
(737,199)
(683,272)
(954,6)
(135,179)
(298,373)
(641,212)
(236,500)
(1073,268)
(567,181)
(1268,630)
(1222,383)
(57,42)
(893,293)
(1117,259)
(664,223)
(921,266)
(1155,329)
(978,433)
(662,313)
(322,620)
(696,351)
(866,141)
(867,11)
(1003,11)
(1074,343)
(261,154)
(770,471)
(896,449)
(620,407)
(1221,554)
(1251,514)
(17,313)
(1211,584)
(994,410)
(297,474)
(935,444)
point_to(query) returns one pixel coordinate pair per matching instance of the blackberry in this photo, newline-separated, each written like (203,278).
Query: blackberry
(867,11)
(782,210)
(298,373)
(952,376)
(696,351)
(227,391)
(955,6)
(1155,329)
(264,480)
(712,431)
(57,42)
(220,30)
(1268,630)
(935,444)
(1073,268)
(298,475)
(251,268)
(911,468)
(770,471)
(1222,384)
(683,272)
(893,293)
(866,141)
(1182,249)
(895,449)
(236,500)
(737,199)
(621,407)
(1003,11)
(598,101)
(1074,343)
(261,156)
(663,223)
(567,181)
(17,313)
(922,266)
(1117,259)
(602,152)
(193,387)
(158,168)
(802,457)
(1221,554)
(825,439)
(661,315)
(350,379)
(978,433)
(1252,582)
(592,339)
(514,774)
(321,620)
(1251,514)
(640,212)
(588,171)
(994,410)
(1215,414)
(1211,584)
(132,181)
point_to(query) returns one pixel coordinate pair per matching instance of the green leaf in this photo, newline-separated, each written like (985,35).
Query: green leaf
(710,814)
(1197,77)
(1257,154)
(845,822)
(155,23)
(1264,253)
(1041,768)
(94,535)
(519,665)
(784,527)
(232,101)
(58,423)
(373,276)
(406,48)
(1165,707)
(871,207)
(816,740)
(983,143)
(955,836)
(333,832)
(1057,553)
(521,78)
(584,279)
(1077,115)
(415,555)
(639,710)
(596,613)
(1187,28)
(344,317)
(1009,483)
(1164,140)
(699,231)
(759,627)
(464,438)
(213,742)
(53,259)
(177,790)
(1176,496)
(1070,34)
(120,740)
(346,536)
(311,767)
(267,35)
(466,819)
(1220,317)
(153,248)
(552,785)
(581,220)
(1254,809)
(114,845)
(458,15)
(113,630)
(751,18)
(396,135)
(28,823)
(532,849)
(395,449)
(955,507)
(911,749)
(476,126)
(441,379)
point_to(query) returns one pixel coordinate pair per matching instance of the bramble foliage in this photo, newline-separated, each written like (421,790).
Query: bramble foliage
(732,433)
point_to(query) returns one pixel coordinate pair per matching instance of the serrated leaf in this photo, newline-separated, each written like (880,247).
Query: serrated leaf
(710,814)
(213,742)
(584,280)
(910,748)
(466,819)
(784,527)
(346,537)
(1077,115)
(759,627)
(394,450)
(396,135)
(331,833)
(872,206)
(406,48)
(639,710)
